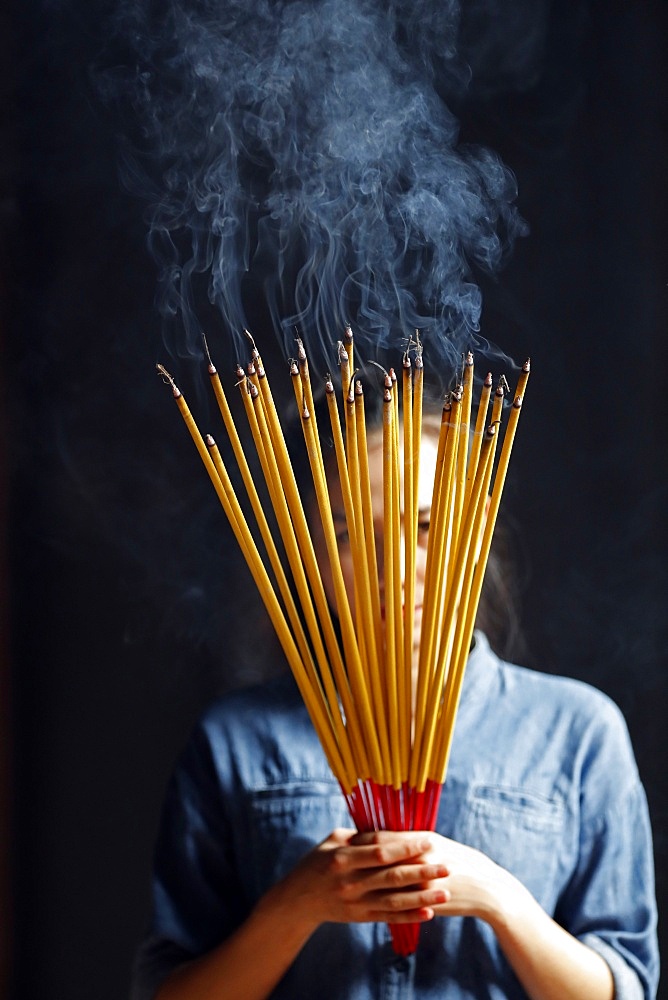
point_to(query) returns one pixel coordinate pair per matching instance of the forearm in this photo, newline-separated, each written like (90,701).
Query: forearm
(550,963)
(249,964)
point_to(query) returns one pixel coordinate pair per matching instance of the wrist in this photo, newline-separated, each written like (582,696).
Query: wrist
(509,906)
(287,913)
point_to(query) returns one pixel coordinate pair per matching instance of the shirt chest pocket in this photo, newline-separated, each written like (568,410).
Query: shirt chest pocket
(286,821)
(522,831)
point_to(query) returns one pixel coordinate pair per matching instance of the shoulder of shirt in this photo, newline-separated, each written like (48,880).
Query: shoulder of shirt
(266,711)
(558,693)
(280,693)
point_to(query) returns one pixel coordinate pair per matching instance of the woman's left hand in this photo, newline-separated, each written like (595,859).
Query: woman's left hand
(550,963)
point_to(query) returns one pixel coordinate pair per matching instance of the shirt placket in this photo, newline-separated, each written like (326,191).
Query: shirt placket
(398,976)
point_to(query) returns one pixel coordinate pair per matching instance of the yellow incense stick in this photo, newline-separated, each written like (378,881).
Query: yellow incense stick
(478,434)
(391,579)
(410,547)
(441,671)
(328,721)
(331,666)
(352,657)
(460,643)
(358,458)
(361,709)
(438,545)
(355,543)
(263,525)
(360,447)
(225,493)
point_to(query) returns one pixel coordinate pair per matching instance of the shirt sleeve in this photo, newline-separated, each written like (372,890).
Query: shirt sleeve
(197,900)
(610,901)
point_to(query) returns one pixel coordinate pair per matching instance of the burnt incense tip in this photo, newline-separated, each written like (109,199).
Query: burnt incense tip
(406,361)
(248,334)
(469,359)
(488,380)
(359,388)
(253,389)
(167,379)
(342,353)
(240,373)
(294,369)
(386,375)
(418,346)
(206,348)
(393,375)
(387,396)
(329,386)
(348,332)
(250,368)
(526,367)
(517,402)
(301,353)
(260,371)
(210,442)
(212,368)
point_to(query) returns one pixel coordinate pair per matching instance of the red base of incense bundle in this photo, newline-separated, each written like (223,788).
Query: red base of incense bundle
(382,807)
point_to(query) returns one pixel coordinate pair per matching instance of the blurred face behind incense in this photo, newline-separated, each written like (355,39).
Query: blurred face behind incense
(428,453)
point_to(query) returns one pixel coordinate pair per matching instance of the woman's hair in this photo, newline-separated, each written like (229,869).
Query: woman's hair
(498,614)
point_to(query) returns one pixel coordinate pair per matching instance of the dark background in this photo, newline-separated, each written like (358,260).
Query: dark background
(117,563)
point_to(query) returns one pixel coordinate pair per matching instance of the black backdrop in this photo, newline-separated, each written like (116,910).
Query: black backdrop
(118,561)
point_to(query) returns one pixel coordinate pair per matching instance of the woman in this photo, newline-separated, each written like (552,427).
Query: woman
(536,883)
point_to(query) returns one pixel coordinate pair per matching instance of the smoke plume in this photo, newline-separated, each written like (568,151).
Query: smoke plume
(303,170)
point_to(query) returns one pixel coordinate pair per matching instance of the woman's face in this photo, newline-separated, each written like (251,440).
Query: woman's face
(428,452)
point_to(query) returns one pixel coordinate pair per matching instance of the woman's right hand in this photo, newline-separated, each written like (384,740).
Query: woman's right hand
(356,877)
(350,877)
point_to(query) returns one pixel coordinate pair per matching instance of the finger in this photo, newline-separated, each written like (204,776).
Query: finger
(359,886)
(339,837)
(403,876)
(389,846)
(336,841)
(419,916)
(403,906)
(349,860)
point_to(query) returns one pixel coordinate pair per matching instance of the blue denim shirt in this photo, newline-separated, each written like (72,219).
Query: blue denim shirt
(541,778)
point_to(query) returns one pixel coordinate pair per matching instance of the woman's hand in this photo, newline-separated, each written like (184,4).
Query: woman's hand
(351,877)
(394,878)
(550,963)
(476,885)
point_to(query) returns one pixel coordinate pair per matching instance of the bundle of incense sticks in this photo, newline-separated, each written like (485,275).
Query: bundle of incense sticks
(385,721)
